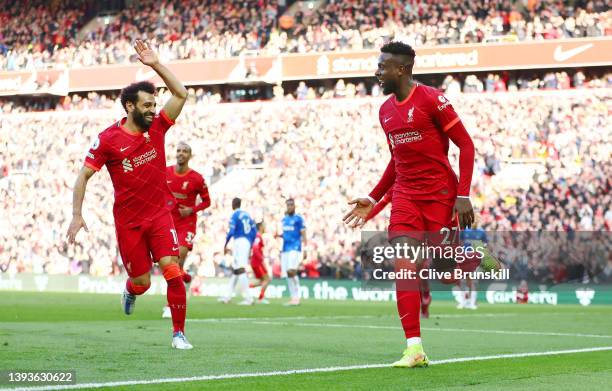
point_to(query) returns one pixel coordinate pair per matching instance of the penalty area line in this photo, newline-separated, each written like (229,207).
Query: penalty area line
(299,371)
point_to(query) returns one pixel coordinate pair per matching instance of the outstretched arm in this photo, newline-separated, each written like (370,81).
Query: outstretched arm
(147,56)
(78,195)
(358,216)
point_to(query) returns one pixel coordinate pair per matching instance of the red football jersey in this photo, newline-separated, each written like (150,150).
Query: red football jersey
(257,256)
(136,163)
(185,188)
(416,135)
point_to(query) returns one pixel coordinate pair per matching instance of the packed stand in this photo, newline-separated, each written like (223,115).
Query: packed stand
(49,35)
(304,150)
(451,85)
(363,24)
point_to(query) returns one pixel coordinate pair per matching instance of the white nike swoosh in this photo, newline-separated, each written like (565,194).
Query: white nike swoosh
(143,76)
(386,120)
(560,55)
(168,181)
(124,148)
(174,248)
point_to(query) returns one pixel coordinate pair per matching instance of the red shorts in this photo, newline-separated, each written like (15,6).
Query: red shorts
(416,218)
(186,233)
(259,269)
(140,246)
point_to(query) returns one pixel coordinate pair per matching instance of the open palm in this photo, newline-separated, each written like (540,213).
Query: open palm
(146,55)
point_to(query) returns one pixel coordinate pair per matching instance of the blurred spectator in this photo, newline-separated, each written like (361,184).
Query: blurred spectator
(319,152)
(40,34)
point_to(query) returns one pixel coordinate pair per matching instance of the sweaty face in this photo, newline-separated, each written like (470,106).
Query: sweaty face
(144,110)
(387,73)
(183,154)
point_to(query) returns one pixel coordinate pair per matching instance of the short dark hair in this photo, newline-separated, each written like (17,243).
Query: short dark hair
(236,202)
(399,48)
(290,200)
(130,93)
(185,144)
(258,225)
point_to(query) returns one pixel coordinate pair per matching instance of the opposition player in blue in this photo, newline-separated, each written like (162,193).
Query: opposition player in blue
(242,231)
(294,235)
(470,237)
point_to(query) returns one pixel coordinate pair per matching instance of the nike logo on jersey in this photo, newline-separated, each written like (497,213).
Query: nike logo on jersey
(560,55)
(124,148)
(387,120)
(174,248)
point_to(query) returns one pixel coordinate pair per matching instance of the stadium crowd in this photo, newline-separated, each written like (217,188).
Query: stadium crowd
(543,163)
(451,85)
(42,34)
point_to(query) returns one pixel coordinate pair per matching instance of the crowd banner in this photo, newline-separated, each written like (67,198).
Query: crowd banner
(545,54)
(317,289)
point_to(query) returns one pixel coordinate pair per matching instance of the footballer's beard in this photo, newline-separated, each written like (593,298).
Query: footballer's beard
(140,120)
(389,87)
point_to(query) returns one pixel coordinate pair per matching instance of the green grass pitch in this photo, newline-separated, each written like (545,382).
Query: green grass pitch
(89,334)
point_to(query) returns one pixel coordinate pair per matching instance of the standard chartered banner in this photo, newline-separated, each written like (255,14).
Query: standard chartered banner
(494,293)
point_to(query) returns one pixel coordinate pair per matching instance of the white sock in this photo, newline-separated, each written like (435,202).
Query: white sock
(232,285)
(473,297)
(290,284)
(413,341)
(243,286)
(296,288)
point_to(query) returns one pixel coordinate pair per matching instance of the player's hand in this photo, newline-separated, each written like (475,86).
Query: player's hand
(357,216)
(75,226)
(464,211)
(185,211)
(146,55)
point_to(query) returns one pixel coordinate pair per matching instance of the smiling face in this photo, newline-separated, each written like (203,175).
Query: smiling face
(391,69)
(183,153)
(143,110)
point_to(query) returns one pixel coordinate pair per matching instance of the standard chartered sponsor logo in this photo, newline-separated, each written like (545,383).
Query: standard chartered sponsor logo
(127,165)
(130,165)
(145,157)
(407,137)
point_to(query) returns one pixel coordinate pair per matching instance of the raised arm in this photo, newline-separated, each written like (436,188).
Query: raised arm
(148,57)
(78,195)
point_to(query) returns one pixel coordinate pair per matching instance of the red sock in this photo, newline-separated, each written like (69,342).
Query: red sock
(262,292)
(424,288)
(186,277)
(177,301)
(135,289)
(408,307)
(408,301)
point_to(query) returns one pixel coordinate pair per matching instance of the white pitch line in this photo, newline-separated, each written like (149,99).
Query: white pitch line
(298,371)
(483,331)
(213,320)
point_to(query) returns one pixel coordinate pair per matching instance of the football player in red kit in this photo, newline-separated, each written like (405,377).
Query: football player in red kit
(418,122)
(423,284)
(133,152)
(186,185)
(258,265)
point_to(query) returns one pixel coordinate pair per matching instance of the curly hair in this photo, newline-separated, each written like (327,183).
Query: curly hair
(399,48)
(130,93)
